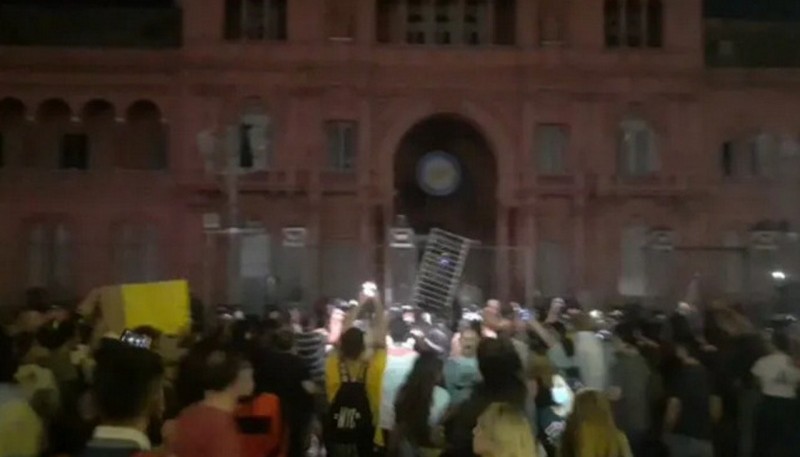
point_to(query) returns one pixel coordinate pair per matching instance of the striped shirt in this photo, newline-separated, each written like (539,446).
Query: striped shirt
(310,346)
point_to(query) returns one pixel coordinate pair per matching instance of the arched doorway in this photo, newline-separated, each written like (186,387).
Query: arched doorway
(445,176)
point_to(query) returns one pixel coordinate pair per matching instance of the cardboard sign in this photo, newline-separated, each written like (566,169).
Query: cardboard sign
(162,305)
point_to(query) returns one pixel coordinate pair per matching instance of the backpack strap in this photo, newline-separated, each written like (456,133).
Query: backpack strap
(344,375)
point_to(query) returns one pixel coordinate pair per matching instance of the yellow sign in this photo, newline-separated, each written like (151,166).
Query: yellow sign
(163,305)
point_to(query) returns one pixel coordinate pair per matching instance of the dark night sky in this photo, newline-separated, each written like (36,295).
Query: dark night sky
(744,9)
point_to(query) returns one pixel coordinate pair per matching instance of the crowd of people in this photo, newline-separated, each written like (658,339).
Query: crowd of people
(358,379)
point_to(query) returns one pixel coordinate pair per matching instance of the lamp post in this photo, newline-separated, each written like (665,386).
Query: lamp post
(221,151)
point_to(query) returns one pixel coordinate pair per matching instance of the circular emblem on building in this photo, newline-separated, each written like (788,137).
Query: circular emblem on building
(439,173)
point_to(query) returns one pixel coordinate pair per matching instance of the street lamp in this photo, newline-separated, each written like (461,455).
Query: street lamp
(222,151)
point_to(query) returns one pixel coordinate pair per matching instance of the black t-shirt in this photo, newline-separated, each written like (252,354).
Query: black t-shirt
(550,428)
(283,374)
(692,386)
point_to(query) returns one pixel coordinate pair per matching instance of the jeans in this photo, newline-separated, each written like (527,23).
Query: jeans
(686,446)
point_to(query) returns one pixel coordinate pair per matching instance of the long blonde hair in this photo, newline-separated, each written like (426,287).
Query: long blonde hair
(591,431)
(508,430)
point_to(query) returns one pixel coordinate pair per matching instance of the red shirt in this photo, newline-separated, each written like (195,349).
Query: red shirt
(203,431)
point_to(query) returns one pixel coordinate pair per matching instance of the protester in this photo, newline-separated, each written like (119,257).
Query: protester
(501,371)
(631,390)
(21,430)
(591,431)
(419,408)
(503,431)
(353,384)
(128,395)
(400,360)
(590,355)
(461,372)
(554,400)
(208,428)
(277,370)
(776,433)
(692,407)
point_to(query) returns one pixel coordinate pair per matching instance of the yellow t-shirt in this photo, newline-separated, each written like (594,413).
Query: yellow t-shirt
(21,432)
(377,363)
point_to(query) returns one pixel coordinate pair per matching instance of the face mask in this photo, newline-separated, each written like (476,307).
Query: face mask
(560,395)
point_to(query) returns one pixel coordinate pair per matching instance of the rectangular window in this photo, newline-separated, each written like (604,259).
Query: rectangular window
(341,145)
(728,163)
(49,259)
(74,152)
(417,24)
(551,147)
(474,21)
(445,21)
(255,20)
(613,25)
(233,19)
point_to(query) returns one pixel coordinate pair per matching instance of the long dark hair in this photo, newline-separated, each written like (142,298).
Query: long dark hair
(413,405)
(566,342)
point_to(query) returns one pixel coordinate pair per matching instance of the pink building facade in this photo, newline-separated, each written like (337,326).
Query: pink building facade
(589,149)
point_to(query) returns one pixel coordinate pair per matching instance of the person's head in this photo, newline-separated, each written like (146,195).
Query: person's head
(470,338)
(414,400)
(561,392)
(498,362)
(399,330)
(503,431)
(591,411)
(227,373)
(55,334)
(127,385)
(351,344)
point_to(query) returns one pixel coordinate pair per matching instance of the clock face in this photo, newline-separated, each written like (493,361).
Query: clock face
(438,173)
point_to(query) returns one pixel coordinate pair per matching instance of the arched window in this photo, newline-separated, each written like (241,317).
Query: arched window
(145,139)
(136,253)
(637,149)
(57,144)
(98,120)
(49,257)
(12,130)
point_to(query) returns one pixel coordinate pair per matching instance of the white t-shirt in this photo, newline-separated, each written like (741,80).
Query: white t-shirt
(590,357)
(778,376)
(399,363)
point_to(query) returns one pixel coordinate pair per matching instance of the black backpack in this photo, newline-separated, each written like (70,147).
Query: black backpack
(349,430)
